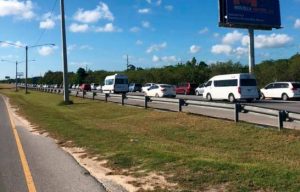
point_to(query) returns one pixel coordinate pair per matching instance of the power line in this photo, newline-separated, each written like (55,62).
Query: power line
(44,30)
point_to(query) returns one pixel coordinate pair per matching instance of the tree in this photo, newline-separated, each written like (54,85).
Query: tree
(81,75)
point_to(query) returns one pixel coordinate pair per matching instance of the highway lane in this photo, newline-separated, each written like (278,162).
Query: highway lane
(52,169)
(11,171)
(291,106)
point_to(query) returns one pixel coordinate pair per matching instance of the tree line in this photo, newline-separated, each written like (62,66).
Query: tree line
(191,71)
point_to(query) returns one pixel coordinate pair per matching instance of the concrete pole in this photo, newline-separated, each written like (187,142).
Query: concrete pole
(26,69)
(251,51)
(64,54)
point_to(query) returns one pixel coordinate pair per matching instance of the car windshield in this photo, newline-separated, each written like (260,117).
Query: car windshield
(248,82)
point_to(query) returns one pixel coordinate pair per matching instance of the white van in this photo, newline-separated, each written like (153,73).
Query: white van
(231,87)
(115,84)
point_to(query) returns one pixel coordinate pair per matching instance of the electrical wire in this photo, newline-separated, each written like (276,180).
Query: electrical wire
(44,30)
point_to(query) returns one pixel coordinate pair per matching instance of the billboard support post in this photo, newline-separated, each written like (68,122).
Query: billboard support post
(251,50)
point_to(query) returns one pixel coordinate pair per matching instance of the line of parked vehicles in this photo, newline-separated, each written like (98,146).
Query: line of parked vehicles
(229,87)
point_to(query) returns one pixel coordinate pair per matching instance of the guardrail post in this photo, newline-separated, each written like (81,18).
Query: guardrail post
(181,103)
(106,96)
(280,120)
(123,98)
(76,94)
(83,93)
(94,94)
(146,102)
(237,107)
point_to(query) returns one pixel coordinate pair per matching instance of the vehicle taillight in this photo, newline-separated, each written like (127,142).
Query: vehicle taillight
(239,90)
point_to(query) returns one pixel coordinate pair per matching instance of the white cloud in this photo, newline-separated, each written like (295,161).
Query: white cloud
(92,16)
(79,28)
(194,49)
(169,7)
(297,24)
(149,1)
(240,51)
(203,31)
(48,21)
(135,29)
(231,38)
(156,47)
(146,24)
(221,49)
(46,50)
(86,47)
(269,41)
(139,42)
(108,28)
(47,24)
(155,59)
(166,59)
(144,11)
(216,35)
(16,8)
(158,2)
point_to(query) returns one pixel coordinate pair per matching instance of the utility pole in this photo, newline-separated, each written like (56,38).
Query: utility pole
(26,70)
(64,53)
(251,50)
(16,76)
(127,62)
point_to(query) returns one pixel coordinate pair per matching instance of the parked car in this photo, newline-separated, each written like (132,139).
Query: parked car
(134,87)
(231,87)
(161,90)
(99,88)
(94,86)
(146,86)
(281,90)
(200,89)
(186,88)
(85,87)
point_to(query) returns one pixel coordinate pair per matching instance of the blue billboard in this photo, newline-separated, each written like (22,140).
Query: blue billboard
(257,14)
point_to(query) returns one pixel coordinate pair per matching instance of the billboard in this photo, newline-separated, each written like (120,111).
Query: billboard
(256,14)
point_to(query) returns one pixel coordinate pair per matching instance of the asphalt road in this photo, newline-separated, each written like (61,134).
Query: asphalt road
(51,168)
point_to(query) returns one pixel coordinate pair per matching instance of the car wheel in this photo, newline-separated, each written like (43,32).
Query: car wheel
(231,98)
(208,97)
(285,97)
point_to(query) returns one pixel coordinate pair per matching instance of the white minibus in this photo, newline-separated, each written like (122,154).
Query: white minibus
(115,84)
(231,87)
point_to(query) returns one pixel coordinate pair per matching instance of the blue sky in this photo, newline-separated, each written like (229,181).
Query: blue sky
(154,33)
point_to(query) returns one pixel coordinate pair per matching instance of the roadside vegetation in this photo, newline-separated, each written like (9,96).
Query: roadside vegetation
(198,153)
(191,71)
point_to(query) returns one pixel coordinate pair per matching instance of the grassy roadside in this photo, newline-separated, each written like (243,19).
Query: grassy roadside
(196,152)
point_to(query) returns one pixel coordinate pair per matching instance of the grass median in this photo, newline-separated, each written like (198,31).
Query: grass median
(198,153)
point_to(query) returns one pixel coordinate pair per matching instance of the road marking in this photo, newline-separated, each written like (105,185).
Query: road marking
(26,169)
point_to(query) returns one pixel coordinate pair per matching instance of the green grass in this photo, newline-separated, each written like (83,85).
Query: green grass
(196,152)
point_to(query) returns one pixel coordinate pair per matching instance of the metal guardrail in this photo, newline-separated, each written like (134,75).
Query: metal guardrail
(236,109)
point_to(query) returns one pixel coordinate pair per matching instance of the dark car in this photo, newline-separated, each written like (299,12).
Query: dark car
(186,88)
(85,87)
(133,87)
